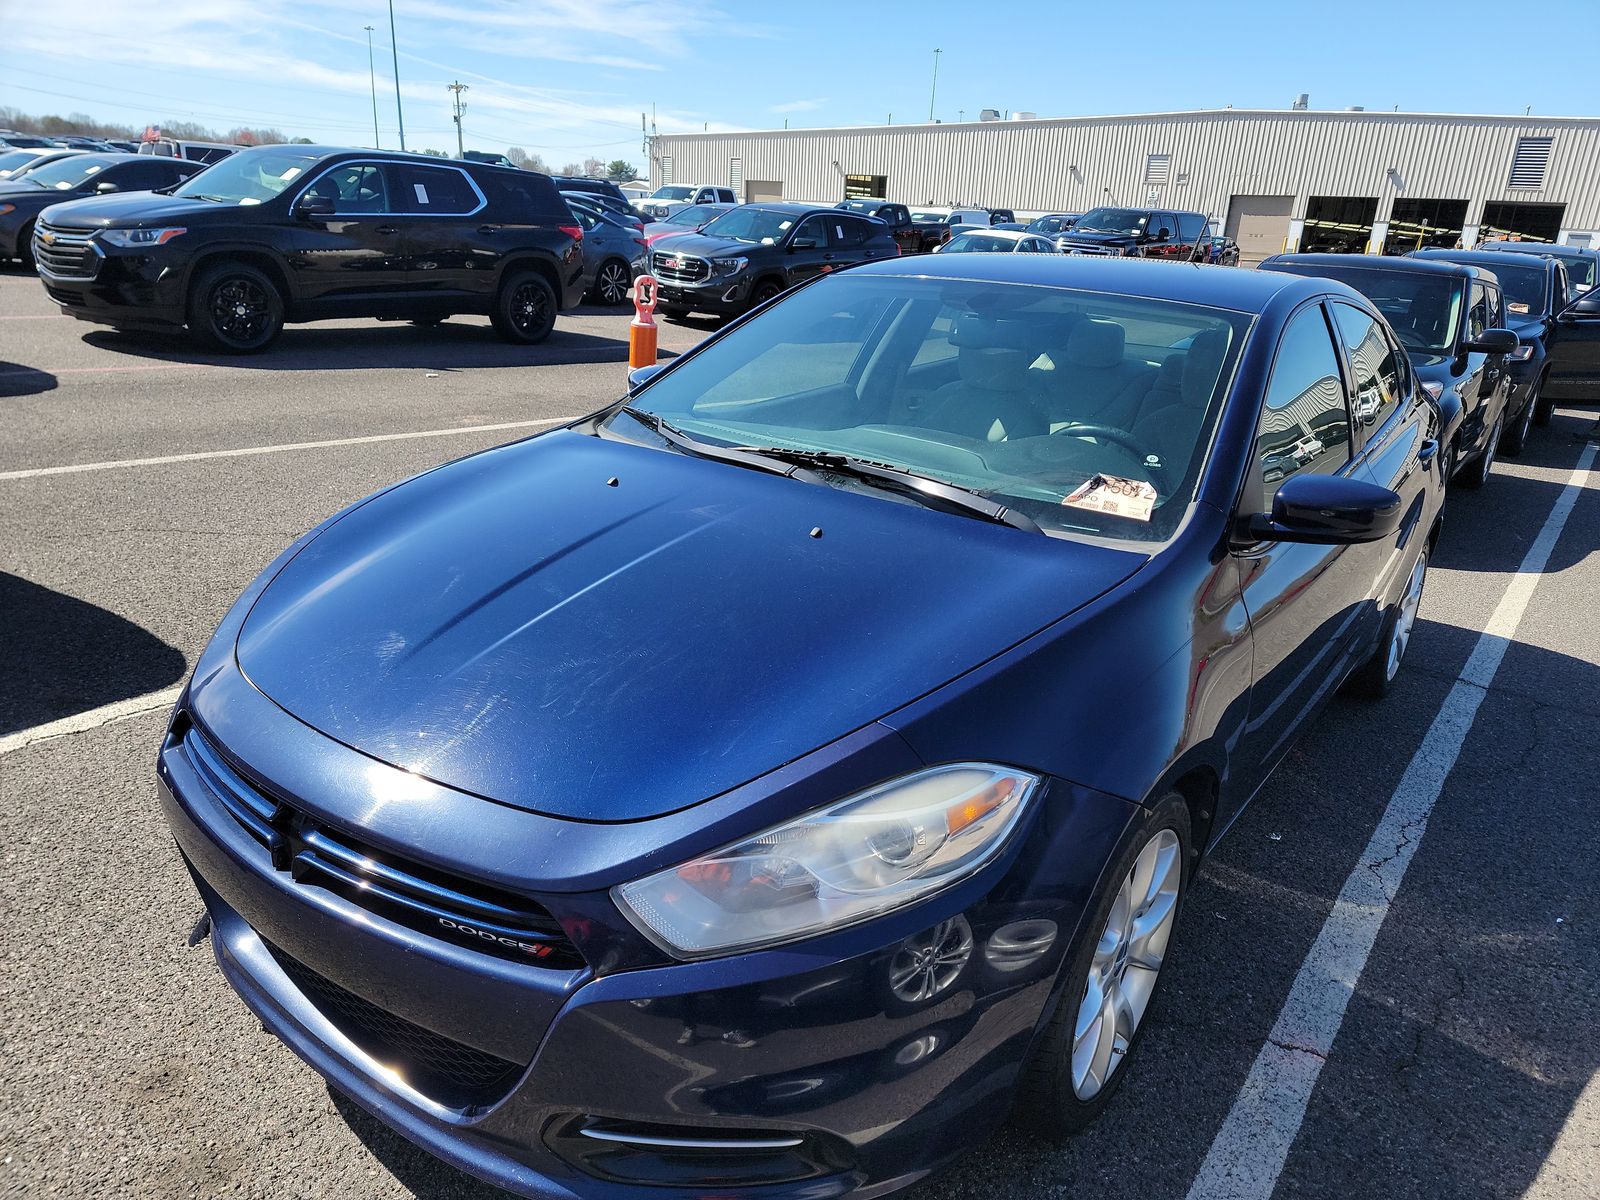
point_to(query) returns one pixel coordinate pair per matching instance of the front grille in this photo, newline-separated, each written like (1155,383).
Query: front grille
(430,901)
(456,1075)
(679,268)
(1094,248)
(65,253)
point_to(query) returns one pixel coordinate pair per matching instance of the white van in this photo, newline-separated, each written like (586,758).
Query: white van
(201,152)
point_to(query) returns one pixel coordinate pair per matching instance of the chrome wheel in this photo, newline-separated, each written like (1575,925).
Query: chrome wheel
(1406,617)
(1126,964)
(612,286)
(928,963)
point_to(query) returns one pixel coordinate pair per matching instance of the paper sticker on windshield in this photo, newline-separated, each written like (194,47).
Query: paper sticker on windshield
(422,193)
(1115,496)
(290,173)
(1517,308)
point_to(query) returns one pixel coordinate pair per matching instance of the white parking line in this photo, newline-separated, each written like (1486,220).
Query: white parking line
(35,472)
(93,719)
(1250,1149)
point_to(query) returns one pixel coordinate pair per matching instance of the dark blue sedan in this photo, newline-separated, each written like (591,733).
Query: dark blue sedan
(773,781)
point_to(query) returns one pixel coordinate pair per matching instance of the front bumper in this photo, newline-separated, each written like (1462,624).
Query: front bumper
(109,287)
(727,296)
(809,1044)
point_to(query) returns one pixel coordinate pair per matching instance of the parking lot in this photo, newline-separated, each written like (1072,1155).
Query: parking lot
(143,484)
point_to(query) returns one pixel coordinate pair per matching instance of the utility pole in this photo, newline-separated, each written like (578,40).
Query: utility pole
(372,78)
(931,94)
(399,112)
(457,87)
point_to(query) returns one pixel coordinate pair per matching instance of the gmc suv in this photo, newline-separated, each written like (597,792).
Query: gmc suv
(1137,233)
(309,233)
(751,253)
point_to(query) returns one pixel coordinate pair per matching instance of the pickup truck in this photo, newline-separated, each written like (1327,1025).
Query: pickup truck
(669,198)
(1138,233)
(896,216)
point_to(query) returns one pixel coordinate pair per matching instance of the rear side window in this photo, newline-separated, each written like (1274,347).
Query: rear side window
(523,196)
(847,232)
(1375,364)
(1304,425)
(433,191)
(1190,226)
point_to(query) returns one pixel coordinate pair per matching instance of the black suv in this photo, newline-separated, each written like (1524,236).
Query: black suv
(751,253)
(1137,233)
(310,233)
(1450,317)
(1558,357)
(23,199)
(896,216)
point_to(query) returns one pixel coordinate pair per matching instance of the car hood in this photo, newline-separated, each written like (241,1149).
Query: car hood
(703,246)
(133,209)
(517,626)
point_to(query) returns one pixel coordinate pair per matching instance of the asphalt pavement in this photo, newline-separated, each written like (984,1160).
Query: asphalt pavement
(143,484)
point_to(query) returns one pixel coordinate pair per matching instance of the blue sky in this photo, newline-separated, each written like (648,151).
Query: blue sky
(569,78)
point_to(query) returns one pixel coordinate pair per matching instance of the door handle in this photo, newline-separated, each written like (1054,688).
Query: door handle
(487,229)
(386,230)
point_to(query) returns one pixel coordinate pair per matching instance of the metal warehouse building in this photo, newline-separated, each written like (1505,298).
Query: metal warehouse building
(1297,179)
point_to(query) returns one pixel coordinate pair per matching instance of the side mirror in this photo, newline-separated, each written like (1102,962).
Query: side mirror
(312,208)
(1491,341)
(1328,510)
(804,243)
(1586,307)
(640,376)
(104,189)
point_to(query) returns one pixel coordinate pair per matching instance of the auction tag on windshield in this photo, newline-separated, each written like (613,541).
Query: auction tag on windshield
(1115,496)
(1518,308)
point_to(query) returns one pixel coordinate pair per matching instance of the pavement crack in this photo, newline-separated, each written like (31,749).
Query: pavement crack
(1297,1048)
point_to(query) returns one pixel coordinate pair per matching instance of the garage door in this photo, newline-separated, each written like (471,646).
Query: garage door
(1259,224)
(757,190)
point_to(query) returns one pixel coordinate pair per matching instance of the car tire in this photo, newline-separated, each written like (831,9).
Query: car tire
(234,308)
(1476,475)
(611,283)
(1543,409)
(25,247)
(1376,677)
(524,308)
(763,291)
(1060,1093)
(1514,439)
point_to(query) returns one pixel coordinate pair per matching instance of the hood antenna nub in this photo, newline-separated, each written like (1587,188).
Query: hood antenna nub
(817,532)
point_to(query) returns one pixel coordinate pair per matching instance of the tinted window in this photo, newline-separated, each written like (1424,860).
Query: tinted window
(1190,226)
(758,226)
(353,188)
(1304,424)
(1423,308)
(1113,220)
(1477,312)
(250,177)
(851,231)
(436,191)
(522,195)
(816,228)
(978,243)
(143,176)
(1374,365)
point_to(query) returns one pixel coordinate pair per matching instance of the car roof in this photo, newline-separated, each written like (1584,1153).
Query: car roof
(1481,258)
(1015,235)
(1371,262)
(1186,283)
(795,207)
(1537,249)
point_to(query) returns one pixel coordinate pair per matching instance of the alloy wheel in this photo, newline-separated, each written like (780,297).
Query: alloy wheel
(613,284)
(241,310)
(1406,617)
(1126,964)
(530,307)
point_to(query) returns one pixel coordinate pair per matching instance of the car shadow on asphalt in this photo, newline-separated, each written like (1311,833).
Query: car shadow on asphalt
(420,1173)
(64,656)
(18,380)
(453,346)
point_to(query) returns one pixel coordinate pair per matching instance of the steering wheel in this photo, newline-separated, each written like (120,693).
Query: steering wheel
(1111,433)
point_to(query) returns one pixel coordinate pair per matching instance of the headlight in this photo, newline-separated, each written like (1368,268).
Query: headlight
(1522,353)
(729,266)
(878,850)
(1433,387)
(130,238)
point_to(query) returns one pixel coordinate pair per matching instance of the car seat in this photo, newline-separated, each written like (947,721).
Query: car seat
(1094,382)
(990,401)
(1169,431)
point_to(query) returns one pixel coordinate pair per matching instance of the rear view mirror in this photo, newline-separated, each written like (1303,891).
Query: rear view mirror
(310,208)
(1328,510)
(1491,341)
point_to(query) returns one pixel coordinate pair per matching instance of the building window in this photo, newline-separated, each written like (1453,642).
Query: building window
(866,187)
(1529,163)
(736,174)
(666,168)
(1157,169)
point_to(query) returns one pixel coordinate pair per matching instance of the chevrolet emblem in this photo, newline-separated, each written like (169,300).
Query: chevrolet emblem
(47,238)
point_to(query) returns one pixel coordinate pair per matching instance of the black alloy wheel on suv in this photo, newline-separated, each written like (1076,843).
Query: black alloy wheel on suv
(235,308)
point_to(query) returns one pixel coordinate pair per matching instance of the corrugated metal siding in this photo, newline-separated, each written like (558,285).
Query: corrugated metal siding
(1076,163)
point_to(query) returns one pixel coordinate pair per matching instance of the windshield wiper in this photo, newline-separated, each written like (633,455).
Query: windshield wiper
(910,483)
(738,456)
(205,196)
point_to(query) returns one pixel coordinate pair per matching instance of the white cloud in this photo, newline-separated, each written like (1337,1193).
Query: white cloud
(794,106)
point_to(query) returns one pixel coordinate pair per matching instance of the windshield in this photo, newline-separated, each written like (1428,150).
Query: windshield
(758,226)
(1424,309)
(1112,220)
(1580,267)
(248,177)
(923,214)
(12,159)
(1051,225)
(693,215)
(67,173)
(1524,288)
(672,193)
(974,384)
(981,243)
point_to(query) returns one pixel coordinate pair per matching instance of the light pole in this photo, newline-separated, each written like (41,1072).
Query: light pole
(935,90)
(458,87)
(399,112)
(372,78)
